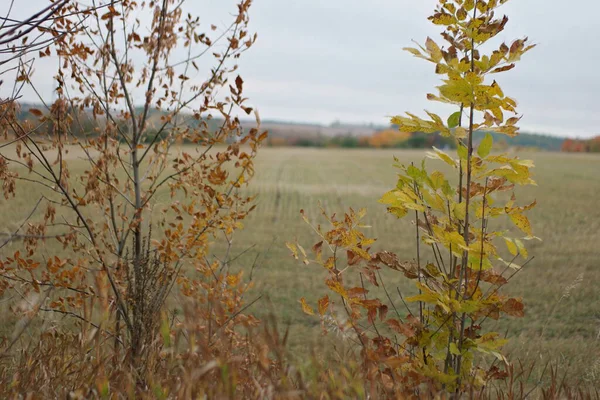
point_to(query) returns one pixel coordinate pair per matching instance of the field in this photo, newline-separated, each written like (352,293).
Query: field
(562,300)
(562,321)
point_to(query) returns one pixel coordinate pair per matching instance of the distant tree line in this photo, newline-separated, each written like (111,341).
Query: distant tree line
(385,139)
(392,138)
(82,123)
(581,146)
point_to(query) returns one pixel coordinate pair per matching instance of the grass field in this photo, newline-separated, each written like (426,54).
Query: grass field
(559,286)
(567,218)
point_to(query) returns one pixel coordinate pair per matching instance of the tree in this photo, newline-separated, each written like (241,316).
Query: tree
(137,218)
(430,350)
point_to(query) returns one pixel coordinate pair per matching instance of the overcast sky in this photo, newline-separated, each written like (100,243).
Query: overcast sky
(326,60)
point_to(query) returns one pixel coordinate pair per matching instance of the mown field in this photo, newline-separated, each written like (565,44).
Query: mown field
(559,286)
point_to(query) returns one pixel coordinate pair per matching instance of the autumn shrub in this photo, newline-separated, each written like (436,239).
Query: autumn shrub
(436,343)
(113,265)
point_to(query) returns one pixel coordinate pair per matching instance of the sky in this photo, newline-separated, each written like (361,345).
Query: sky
(325,60)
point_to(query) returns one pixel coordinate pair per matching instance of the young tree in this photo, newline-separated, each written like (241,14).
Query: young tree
(459,289)
(160,175)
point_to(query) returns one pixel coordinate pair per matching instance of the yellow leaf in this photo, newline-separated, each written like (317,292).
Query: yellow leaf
(457,90)
(434,50)
(389,197)
(414,52)
(306,308)
(442,18)
(293,249)
(439,154)
(460,210)
(437,179)
(361,253)
(302,251)
(434,201)
(414,206)
(337,287)
(522,249)
(512,248)
(522,222)
(397,211)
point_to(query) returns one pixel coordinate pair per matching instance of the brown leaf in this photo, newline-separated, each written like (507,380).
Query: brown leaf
(369,273)
(36,112)
(383,310)
(502,69)
(493,277)
(353,258)
(317,248)
(403,329)
(357,291)
(514,307)
(239,83)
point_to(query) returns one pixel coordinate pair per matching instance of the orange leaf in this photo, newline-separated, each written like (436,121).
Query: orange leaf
(36,112)
(323,304)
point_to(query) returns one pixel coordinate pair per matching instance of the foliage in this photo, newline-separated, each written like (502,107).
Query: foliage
(387,138)
(581,146)
(435,346)
(136,225)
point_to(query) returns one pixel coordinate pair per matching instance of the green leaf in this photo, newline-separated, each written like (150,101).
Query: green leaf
(415,173)
(485,146)
(462,151)
(453,120)
(454,349)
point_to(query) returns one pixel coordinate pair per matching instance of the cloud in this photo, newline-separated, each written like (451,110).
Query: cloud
(318,61)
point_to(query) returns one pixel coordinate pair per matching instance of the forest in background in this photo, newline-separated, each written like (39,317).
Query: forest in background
(339,135)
